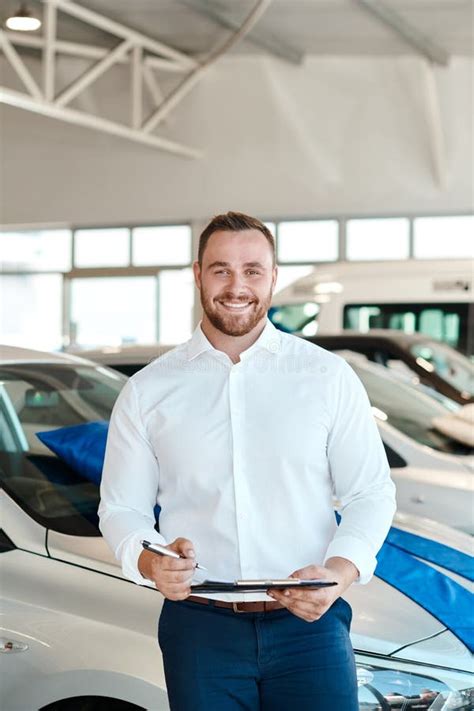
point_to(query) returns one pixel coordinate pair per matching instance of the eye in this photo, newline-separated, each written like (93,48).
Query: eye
(253,272)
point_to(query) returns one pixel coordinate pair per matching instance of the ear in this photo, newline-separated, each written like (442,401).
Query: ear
(274,277)
(197,274)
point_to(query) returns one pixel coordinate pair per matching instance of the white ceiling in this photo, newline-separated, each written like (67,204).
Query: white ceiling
(318,27)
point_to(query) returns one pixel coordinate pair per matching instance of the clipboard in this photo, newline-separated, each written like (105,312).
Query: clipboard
(241,586)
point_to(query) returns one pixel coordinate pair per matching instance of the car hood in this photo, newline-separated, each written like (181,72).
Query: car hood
(385,621)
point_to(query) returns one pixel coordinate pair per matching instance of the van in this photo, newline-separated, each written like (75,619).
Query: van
(433,297)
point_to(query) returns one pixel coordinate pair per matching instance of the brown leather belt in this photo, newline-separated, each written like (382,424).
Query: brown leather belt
(257,606)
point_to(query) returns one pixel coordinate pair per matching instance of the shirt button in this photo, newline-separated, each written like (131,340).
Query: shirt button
(323,369)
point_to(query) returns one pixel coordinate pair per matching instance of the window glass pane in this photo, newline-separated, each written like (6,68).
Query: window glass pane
(37,397)
(113,310)
(449,237)
(446,322)
(30,310)
(386,238)
(294,318)
(102,248)
(176,300)
(168,245)
(36,250)
(315,241)
(407,408)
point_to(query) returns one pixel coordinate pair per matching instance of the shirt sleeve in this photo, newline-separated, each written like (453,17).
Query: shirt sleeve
(361,477)
(129,486)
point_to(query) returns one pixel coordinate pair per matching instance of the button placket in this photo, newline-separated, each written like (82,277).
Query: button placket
(236,401)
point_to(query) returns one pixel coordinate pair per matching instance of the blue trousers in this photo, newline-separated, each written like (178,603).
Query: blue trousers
(219,660)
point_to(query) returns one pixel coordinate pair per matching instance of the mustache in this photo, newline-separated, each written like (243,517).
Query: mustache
(226,296)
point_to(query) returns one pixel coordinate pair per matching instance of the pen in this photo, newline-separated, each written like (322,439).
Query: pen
(161,550)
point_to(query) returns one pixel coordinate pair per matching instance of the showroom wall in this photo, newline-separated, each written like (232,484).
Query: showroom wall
(333,136)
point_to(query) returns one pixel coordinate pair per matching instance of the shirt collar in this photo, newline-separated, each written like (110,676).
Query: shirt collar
(269,339)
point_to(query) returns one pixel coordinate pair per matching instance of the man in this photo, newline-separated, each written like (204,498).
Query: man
(243,435)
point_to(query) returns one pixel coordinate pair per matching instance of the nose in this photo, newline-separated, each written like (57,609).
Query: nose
(236,284)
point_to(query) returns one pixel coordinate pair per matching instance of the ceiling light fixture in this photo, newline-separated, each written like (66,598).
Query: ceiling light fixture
(23,20)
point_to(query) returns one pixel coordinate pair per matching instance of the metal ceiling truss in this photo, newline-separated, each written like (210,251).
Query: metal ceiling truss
(224,16)
(144,54)
(431,54)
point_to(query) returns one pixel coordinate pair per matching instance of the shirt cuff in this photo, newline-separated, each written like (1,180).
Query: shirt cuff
(130,553)
(357,552)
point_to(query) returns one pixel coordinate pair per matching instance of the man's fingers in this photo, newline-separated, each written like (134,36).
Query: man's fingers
(171,575)
(175,564)
(310,572)
(312,596)
(183,546)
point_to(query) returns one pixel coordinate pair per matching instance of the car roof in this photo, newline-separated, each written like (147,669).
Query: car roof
(375,334)
(128,354)
(15,354)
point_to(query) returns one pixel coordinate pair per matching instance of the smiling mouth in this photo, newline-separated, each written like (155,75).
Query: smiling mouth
(236,307)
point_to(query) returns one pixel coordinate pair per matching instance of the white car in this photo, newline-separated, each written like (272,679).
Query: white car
(433,471)
(77,636)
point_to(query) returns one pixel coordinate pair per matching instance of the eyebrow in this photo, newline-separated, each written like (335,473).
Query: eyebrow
(227,264)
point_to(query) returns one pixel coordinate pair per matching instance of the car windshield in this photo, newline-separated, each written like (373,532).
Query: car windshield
(36,397)
(408,408)
(450,365)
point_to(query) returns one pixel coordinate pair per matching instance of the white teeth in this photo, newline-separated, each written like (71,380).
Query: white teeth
(235,306)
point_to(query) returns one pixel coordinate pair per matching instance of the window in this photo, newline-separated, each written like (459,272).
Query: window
(296,318)
(102,247)
(444,237)
(113,310)
(308,241)
(36,397)
(445,322)
(408,409)
(36,250)
(176,299)
(448,364)
(167,245)
(31,310)
(387,238)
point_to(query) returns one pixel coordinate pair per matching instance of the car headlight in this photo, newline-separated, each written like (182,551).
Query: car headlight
(389,685)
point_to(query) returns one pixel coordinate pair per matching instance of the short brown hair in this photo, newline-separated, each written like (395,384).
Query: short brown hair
(234,222)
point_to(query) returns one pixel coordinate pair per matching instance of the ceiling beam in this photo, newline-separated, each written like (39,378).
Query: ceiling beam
(187,84)
(434,122)
(49,50)
(20,67)
(86,51)
(126,33)
(260,38)
(79,118)
(93,73)
(423,44)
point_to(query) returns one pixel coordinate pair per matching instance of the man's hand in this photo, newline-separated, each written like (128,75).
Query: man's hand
(310,605)
(171,576)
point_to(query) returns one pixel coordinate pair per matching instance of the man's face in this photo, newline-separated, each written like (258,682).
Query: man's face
(236,280)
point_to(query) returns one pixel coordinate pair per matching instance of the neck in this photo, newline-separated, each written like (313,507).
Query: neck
(233,346)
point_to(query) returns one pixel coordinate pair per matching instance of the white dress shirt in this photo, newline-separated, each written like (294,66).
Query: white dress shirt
(245,459)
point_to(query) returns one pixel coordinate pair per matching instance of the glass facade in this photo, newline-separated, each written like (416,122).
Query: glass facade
(143,291)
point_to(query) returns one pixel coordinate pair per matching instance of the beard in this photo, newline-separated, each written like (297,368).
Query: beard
(234,324)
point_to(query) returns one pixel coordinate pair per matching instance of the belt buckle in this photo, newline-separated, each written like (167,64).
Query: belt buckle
(235,607)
